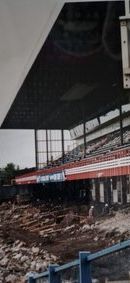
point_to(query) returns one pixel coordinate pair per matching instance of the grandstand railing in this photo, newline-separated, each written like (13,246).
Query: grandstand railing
(83,263)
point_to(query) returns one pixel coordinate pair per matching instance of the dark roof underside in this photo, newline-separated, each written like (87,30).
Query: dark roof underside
(77,75)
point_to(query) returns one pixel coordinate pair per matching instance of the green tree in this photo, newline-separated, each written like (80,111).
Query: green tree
(2,176)
(8,173)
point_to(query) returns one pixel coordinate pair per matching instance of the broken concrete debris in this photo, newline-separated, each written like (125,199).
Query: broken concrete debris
(33,237)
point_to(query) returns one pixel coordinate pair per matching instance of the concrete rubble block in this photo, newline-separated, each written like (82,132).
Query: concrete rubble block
(33,265)
(54,258)
(4,262)
(17,242)
(16,216)
(40,267)
(15,249)
(85,228)
(11,278)
(21,244)
(26,266)
(41,233)
(24,258)
(17,256)
(69,228)
(92,226)
(36,215)
(35,250)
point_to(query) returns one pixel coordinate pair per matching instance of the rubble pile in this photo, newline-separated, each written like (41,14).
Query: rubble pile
(120,222)
(32,237)
(17,259)
(21,246)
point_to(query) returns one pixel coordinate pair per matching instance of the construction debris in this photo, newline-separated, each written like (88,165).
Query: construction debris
(33,237)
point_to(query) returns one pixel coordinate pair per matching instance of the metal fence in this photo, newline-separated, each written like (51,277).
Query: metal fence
(83,264)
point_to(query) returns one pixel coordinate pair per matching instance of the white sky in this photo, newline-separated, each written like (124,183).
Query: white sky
(17,146)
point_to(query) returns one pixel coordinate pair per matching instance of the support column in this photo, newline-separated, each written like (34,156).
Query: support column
(121,125)
(108,185)
(47,155)
(124,190)
(36,148)
(63,147)
(84,133)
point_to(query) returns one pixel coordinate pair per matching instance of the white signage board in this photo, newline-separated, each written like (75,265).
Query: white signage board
(57,177)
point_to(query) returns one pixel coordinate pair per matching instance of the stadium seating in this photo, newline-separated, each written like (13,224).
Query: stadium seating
(103,144)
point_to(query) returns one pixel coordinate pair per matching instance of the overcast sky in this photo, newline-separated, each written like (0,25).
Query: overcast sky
(17,146)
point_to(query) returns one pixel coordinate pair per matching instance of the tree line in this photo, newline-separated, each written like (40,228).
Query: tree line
(8,173)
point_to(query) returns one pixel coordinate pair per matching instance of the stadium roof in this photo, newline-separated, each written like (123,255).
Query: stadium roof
(76,75)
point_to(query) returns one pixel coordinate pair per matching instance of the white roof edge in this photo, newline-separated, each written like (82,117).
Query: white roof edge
(7,95)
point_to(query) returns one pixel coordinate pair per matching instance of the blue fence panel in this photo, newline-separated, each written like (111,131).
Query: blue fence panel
(83,263)
(112,267)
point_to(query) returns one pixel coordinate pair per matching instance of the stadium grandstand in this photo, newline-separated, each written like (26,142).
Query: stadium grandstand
(71,93)
(104,159)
